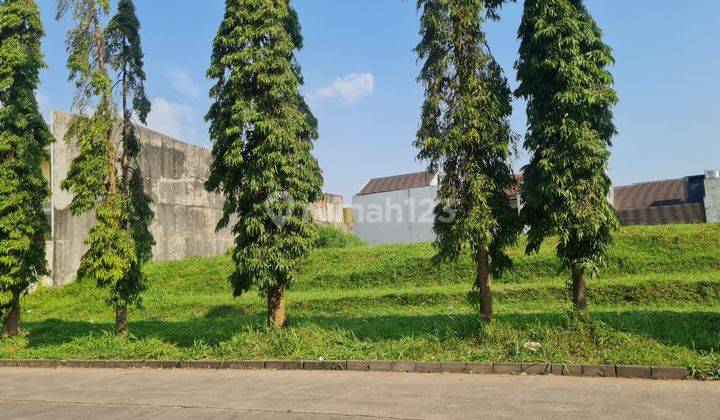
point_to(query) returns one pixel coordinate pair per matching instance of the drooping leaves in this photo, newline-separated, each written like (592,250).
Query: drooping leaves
(262,132)
(24,139)
(465,131)
(563,74)
(105,176)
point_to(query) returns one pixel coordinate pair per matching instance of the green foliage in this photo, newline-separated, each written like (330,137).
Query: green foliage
(563,74)
(394,303)
(126,58)
(120,242)
(465,131)
(262,132)
(24,137)
(333,237)
(88,175)
(112,252)
(141,215)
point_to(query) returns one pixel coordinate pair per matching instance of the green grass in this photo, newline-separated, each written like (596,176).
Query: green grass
(657,303)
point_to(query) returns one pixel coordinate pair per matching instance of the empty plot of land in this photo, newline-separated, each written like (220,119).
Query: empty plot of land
(68,393)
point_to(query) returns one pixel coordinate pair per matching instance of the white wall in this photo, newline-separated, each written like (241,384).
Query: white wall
(712,197)
(404,216)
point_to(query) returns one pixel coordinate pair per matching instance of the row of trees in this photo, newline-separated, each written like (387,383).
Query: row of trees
(562,70)
(263,133)
(106,66)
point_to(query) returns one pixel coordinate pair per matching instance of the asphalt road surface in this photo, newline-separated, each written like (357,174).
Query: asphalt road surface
(171,394)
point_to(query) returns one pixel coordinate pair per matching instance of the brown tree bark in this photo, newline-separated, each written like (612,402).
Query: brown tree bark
(483,284)
(276,306)
(121,325)
(579,290)
(11,323)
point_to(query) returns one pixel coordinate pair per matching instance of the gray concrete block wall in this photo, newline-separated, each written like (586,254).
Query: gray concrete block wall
(175,173)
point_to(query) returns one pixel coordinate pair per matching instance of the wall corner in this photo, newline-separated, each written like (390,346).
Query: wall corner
(712,196)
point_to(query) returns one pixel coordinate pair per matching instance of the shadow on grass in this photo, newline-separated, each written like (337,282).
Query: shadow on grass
(694,330)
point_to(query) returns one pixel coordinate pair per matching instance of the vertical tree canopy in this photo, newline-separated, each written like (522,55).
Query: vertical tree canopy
(24,137)
(563,74)
(89,177)
(262,132)
(465,131)
(127,60)
(113,255)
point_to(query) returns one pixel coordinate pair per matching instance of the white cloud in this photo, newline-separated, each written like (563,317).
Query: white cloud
(184,84)
(172,119)
(351,88)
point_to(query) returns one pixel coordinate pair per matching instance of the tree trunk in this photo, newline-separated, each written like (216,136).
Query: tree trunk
(276,306)
(11,323)
(579,291)
(483,284)
(121,325)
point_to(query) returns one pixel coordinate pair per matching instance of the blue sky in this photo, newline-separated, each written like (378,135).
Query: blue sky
(361,73)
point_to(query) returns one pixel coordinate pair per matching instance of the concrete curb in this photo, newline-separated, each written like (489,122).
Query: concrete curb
(604,371)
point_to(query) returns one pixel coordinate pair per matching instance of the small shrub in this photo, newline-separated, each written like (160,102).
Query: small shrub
(332,237)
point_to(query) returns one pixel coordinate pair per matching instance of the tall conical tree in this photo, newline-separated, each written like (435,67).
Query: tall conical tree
(263,132)
(24,137)
(93,178)
(563,74)
(465,133)
(126,58)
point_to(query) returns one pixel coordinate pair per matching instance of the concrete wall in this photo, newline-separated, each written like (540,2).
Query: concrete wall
(328,210)
(712,197)
(404,216)
(185,213)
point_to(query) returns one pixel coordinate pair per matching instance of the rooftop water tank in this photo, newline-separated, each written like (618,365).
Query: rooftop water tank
(713,174)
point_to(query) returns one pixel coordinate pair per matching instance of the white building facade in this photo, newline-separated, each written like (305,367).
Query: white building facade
(397,209)
(400,209)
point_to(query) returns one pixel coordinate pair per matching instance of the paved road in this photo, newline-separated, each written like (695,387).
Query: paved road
(107,394)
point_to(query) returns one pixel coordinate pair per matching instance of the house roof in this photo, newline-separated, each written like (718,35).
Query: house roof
(415,180)
(398,182)
(650,194)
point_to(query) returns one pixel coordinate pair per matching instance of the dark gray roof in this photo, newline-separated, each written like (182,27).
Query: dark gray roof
(660,202)
(663,215)
(650,194)
(415,180)
(398,182)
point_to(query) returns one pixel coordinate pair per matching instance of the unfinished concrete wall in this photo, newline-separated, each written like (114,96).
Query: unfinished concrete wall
(185,213)
(712,197)
(329,210)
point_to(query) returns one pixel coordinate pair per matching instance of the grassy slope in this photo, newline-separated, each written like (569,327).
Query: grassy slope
(657,302)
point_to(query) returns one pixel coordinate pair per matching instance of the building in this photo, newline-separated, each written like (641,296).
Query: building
(692,199)
(185,213)
(399,209)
